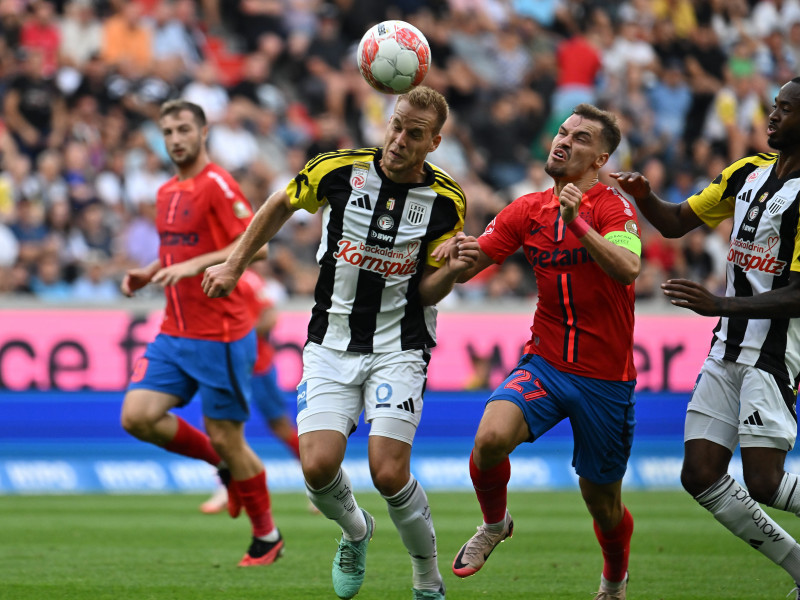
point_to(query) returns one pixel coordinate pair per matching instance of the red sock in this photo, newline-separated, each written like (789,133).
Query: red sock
(491,487)
(616,547)
(255,499)
(190,441)
(294,444)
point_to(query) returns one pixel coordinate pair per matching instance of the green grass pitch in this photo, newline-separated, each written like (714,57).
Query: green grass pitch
(101,547)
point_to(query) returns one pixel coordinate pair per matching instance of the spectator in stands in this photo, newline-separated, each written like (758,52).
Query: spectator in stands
(579,65)
(176,34)
(47,283)
(128,38)
(93,284)
(81,34)
(670,98)
(230,143)
(34,109)
(109,99)
(736,120)
(206,91)
(40,32)
(704,65)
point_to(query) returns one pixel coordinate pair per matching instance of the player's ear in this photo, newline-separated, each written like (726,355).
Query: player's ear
(601,160)
(437,139)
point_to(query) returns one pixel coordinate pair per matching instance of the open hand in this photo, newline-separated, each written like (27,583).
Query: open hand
(692,295)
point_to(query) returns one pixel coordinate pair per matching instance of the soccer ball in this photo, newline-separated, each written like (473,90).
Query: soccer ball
(394,57)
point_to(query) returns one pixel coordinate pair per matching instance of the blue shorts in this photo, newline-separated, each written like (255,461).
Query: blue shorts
(601,414)
(267,396)
(220,371)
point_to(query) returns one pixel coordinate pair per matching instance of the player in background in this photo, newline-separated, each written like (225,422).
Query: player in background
(204,346)
(267,396)
(582,239)
(747,388)
(373,324)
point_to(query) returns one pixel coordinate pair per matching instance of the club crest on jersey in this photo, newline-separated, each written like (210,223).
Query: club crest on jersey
(415,213)
(385,222)
(753,214)
(632,227)
(240,209)
(358,175)
(754,175)
(775,205)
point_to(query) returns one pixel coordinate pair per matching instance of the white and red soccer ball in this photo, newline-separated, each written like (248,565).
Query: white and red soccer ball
(394,57)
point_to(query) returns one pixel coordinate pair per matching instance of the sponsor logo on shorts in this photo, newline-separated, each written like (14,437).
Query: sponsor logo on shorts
(302,391)
(383,394)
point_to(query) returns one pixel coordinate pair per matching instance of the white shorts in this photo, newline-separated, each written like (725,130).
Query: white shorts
(733,403)
(337,386)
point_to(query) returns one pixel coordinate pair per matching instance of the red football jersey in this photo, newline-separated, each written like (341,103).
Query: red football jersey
(255,296)
(196,216)
(583,323)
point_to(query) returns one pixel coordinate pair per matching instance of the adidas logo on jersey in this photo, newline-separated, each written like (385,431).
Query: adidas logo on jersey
(754,419)
(361,202)
(407,405)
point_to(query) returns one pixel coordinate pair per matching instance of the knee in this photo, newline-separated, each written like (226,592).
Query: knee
(389,479)
(135,422)
(762,485)
(696,479)
(224,442)
(491,447)
(319,469)
(606,513)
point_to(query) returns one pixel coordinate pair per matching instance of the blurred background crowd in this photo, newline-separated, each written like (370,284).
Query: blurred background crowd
(81,82)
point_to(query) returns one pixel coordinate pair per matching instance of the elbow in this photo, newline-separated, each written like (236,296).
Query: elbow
(629,275)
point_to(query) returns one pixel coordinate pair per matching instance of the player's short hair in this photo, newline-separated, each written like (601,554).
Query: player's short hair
(174,107)
(610,133)
(424,97)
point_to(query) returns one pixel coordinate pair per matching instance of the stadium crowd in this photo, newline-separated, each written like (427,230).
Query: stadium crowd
(81,82)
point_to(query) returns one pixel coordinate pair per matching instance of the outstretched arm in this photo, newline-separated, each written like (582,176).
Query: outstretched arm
(220,280)
(194,266)
(671,220)
(775,304)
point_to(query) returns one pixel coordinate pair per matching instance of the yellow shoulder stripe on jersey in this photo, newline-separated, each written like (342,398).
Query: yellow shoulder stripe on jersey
(343,156)
(303,189)
(795,266)
(716,202)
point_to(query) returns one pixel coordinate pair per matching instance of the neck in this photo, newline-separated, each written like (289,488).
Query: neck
(405,176)
(584,184)
(188,171)
(787,163)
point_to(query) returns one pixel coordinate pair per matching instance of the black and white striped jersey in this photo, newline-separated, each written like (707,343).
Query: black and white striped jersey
(764,248)
(377,236)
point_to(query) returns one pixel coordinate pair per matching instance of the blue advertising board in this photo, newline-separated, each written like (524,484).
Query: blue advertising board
(72,442)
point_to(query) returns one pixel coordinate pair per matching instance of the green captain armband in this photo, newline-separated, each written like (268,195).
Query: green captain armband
(627,240)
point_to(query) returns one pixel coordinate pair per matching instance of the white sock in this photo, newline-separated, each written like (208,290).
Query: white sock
(272,536)
(496,527)
(411,516)
(732,506)
(336,501)
(612,586)
(787,497)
